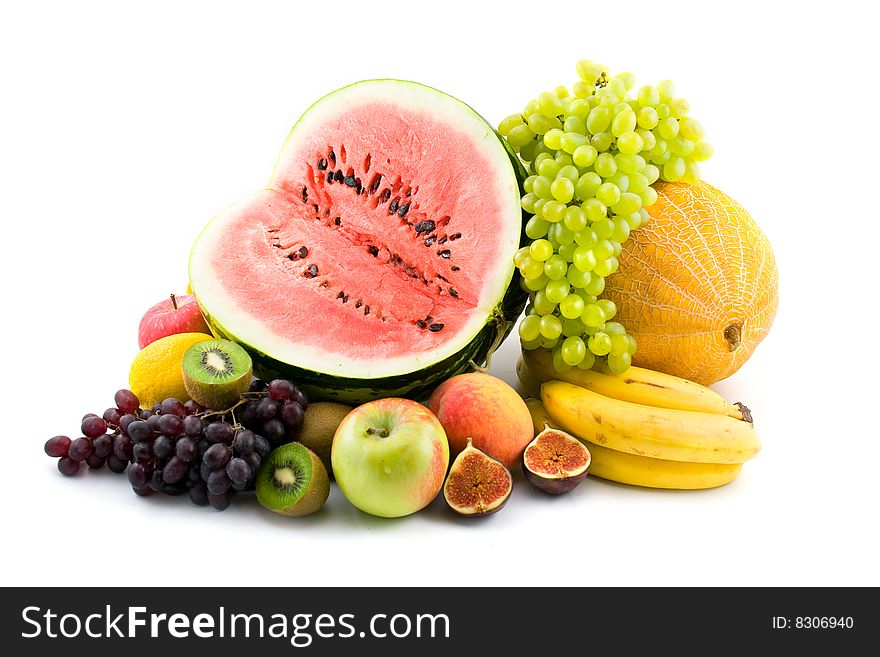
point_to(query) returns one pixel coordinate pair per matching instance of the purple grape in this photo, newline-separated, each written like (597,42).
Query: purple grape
(239,472)
(192,426)
(218,482)
(95,462)
(174,489)
(192,475)
(186,449)
(170,425)
(174,470)
(198,494)
(142,491)
(205,471)
(138,475)
(258,385)
(220,502)
(116,464)
(156,482)
(262,446)
(112,416)
(219,432)
(87,416)
(203,446)
(274,432)
(57,446)
(216,456)
(253,460)
(163,447)
(281,389)
(142,452)
(122,447)
(247,413)
(156,408)
(172,406)
(266,409)
(103,445)
(245,441)
(191,407)
(126,401)
(92,427)
(68,467)
(80,449)
(140,431)
(292,414)
(300,398)
(145,414)
(153,421)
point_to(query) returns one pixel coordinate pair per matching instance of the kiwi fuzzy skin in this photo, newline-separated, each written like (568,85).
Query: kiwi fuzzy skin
(316,494)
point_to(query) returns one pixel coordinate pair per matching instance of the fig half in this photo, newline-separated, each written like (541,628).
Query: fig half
(555,462)
(477,484)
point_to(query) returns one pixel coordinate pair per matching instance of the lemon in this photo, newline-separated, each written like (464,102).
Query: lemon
(157,371)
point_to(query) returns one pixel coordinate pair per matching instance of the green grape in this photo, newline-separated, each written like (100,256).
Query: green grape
(585,237)
(540,250)
(566,251)
(575,124)
(584,156)
(527,152)
(595,209)
(539,124)
(691,172)
(674,169)
(568,171)
(648,96)
(557,290)
(531,107)
(619,345)
(541,186)
(562,190)
(662,111)
(599,343)
(629,162)
(535,284)
(621,180)
(702,151)
(563,159)
(520,256)
(553,211)
(668,128)
(588,184)
(592,330)
(577,278)
(559,365)
(629,79)
(590,71)
(548,343)
(561,92)
(637,183)
(621,228)
(531,268)
(679,107)
(666,90)
(634,220)
(584,258)
(543,305)
(530,328)
(573,350)
(531,344)
(651,173)
(548,168)
(629,142)
(592,315)
(602,141)
(662,159)
(571,306)
(582,89)
(579,108)
(549,105)
(617,248)
(632,344)
(659,146)
(596,285)
(572,140)
(649,195)
(625,121)
(539,207)
(540,157)
(508,123)
(598,119)
(536,226)
(563,235)
(619,363)
(575,218)
(614,328)
(648,139)
(527,183)
(528,202)
(603,228)
(588,361)
(555,267)
(606,267)
(646,218)
(680,147)
(608,193)
(553,138)
(605,165)
(571,327)
(519,136)
(617,87)
(647,118)
(628,203)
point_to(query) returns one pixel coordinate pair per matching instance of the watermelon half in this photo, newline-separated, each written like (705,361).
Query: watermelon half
(379,261)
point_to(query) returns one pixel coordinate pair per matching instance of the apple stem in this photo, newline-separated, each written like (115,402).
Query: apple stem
(382,432)
(174,301)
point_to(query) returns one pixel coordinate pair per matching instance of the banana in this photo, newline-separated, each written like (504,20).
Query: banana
(642,471)
(660,433)
(637,385)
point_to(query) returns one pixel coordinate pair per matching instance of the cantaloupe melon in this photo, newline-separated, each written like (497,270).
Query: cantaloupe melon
(697,286)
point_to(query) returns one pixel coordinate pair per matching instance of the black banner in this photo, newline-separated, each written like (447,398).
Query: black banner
(421,621)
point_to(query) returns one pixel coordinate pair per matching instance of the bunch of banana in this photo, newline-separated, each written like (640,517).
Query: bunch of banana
(643,427)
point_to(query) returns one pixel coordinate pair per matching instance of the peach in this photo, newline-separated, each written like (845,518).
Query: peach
(487,410)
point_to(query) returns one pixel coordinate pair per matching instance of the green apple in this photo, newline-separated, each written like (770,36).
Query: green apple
(390,457)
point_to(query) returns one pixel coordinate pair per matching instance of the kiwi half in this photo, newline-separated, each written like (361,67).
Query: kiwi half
(292,481)
(216,372)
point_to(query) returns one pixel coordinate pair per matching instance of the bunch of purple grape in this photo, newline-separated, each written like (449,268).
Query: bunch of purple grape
(176,448)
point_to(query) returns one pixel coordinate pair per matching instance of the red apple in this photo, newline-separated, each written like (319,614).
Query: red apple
(179,314)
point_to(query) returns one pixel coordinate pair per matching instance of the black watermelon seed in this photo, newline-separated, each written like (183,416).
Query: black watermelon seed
(453,292)
(305,195)
(374,250)
(358,303)
(340,295)
(455,268)
(445,253)
(393,207)
(338,176)
(337,221)
(429,318)
(376,183)
(291,256)
(403,210)
(332,157)
(385,195)
(302,252)
(330,177)
(421,323)
(349,180)
(430,240)
(322,164)
(443,240)
(311,272)
(366,310)
(435,327)
(357,187)
(455,236)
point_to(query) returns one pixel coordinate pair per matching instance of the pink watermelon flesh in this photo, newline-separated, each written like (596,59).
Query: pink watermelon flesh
(386,237)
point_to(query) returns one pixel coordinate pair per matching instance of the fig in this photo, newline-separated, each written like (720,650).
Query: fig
(477,484)
(555,462)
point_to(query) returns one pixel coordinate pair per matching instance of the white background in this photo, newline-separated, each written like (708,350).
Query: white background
(122,131)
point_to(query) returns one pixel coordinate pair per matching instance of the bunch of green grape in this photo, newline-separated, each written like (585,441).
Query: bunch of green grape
(592,155)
